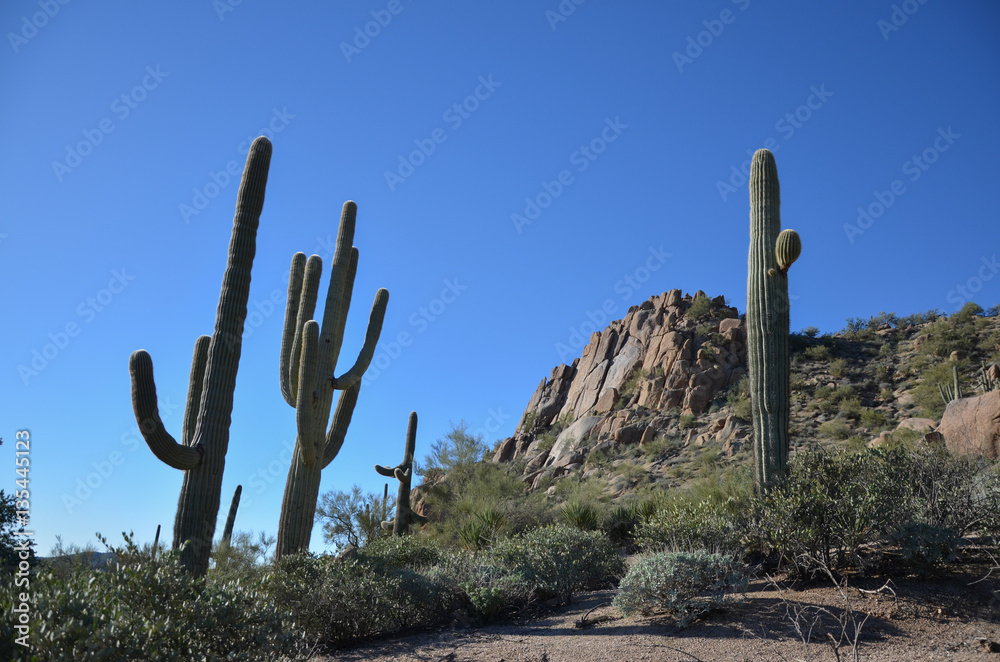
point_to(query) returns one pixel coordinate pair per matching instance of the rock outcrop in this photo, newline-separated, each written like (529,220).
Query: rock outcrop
(661,357)
(972,425)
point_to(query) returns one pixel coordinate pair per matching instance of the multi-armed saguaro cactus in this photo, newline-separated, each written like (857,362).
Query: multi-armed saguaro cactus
(205,433)
(309,356)
(772,251)
(227,533)
(403,472)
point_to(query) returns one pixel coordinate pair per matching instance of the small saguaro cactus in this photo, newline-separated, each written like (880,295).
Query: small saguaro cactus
(201,454)
(309,356)
(403,472)
(772,252)
(227,533)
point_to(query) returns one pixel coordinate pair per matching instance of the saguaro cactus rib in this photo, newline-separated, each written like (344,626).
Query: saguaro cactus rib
(309,354)
(209,406)
(403,472)
(772,251)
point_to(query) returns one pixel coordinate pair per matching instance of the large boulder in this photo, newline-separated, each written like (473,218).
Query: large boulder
(972,425)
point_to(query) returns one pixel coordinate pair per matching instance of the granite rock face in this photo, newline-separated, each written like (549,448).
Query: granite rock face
(670,352)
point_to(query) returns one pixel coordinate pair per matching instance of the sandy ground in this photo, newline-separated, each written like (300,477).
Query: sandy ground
(945,619)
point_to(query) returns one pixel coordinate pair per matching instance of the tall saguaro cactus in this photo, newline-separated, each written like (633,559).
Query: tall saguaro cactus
(403,472)
(772,251)
(201,453)
(309,356)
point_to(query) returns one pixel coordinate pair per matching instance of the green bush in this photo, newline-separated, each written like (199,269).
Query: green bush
(138,607)
(685,584)
(339,603)
(835,429)
(394,553)
(699,308)
(833,504)
(817,353)
(558,561)
(925,547)
(682,525)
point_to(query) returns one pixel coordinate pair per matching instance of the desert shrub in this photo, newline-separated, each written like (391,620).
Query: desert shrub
(874,419)
(138,607)
(850,407)
(830,504)
(242,558)
(394,553)
(493,592)
(558,561)
(817,353)
(686,421)
(810,331)
(838,367)
(685,584)
(700,307)
(835,429)
(958,332)
(924,548)
(623,521)
(926,394)
(958,492)
(739,399)
(343,602)
(682,525)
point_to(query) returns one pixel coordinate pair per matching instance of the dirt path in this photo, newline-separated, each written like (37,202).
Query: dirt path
(937,621)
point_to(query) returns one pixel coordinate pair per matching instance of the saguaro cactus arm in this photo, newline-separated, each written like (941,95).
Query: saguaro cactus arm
(147,415)
(341,421)
(375,319)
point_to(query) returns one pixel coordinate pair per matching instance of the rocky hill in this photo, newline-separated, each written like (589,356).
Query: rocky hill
(656,398)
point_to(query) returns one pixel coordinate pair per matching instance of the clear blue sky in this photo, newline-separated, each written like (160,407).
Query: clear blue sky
(625,123)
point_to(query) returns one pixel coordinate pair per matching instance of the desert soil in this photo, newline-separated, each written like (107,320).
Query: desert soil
(945,619)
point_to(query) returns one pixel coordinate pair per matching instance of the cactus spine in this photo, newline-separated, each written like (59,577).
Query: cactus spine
(201,454)
(772,251)
(309,356)
(227,533)
(403,472)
